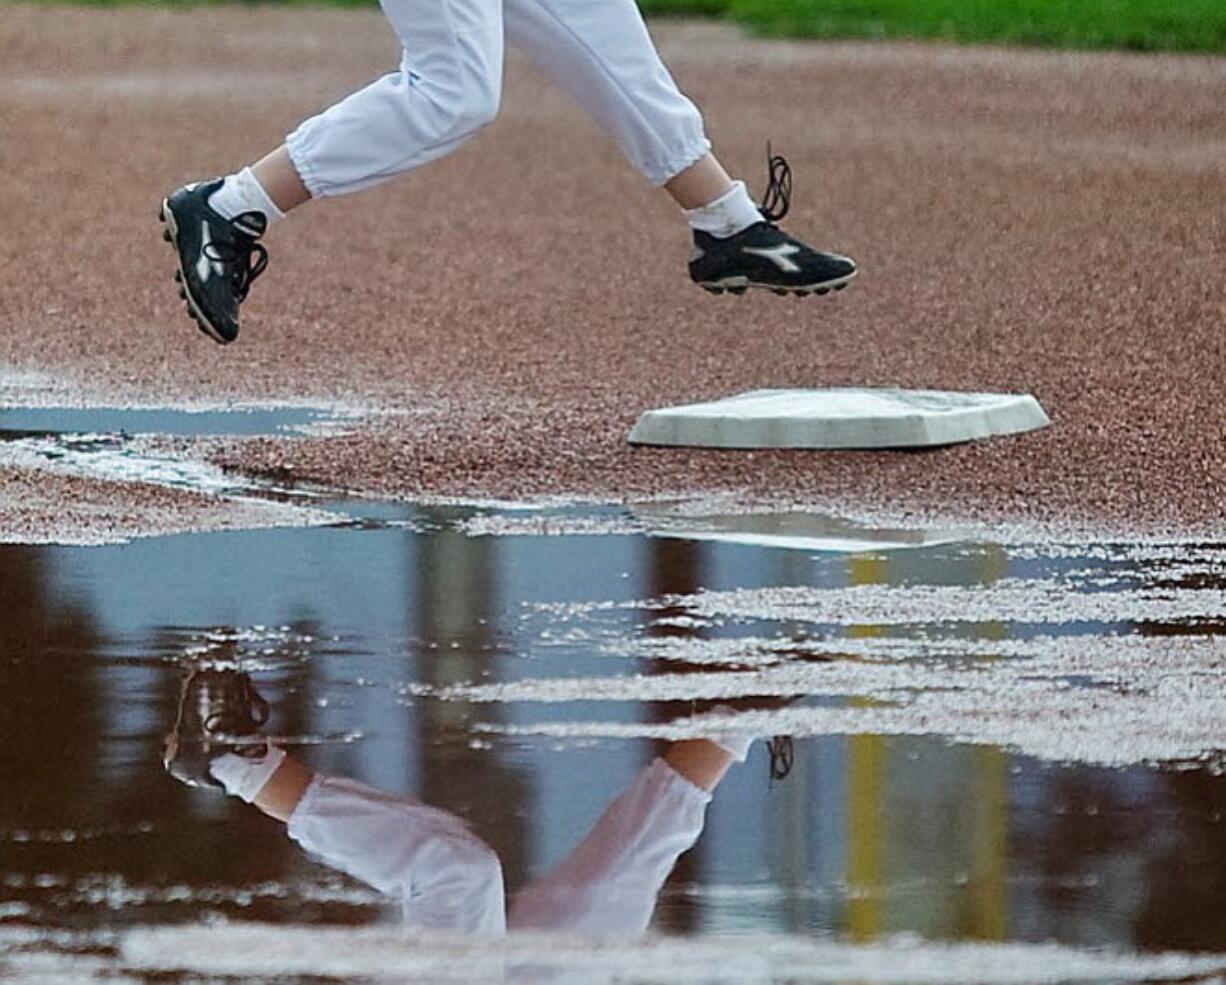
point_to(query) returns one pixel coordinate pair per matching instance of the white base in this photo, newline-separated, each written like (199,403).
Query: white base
(840,418)
(791,530)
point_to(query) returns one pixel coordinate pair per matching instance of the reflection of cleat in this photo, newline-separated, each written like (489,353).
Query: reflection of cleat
(219,258)
(779,746)
(220,712)
(783,756)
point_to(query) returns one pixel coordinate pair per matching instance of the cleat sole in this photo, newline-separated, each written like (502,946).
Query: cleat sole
(739,285)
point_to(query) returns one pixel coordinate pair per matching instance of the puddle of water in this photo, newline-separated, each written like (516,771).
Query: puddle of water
(995,747)
(42,421)
(106,444)
(264,952)
(957,704)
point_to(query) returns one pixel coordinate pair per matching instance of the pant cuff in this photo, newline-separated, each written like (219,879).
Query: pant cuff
(682,161)
(294,144)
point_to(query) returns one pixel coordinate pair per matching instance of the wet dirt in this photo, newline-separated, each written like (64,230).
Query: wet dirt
(108,475)
(1047,222)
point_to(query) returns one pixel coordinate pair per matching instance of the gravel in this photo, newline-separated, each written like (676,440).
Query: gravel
(1041,222)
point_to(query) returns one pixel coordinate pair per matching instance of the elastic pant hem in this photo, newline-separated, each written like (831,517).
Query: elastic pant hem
(298,158)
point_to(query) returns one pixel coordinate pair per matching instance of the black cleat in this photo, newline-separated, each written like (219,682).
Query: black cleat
(220,711)
(215,257)
(764,255)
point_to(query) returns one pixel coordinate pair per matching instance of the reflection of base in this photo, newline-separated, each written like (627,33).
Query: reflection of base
(799,531)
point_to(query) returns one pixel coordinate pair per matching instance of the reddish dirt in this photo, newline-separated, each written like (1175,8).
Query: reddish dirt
(1050,222)
(43,506)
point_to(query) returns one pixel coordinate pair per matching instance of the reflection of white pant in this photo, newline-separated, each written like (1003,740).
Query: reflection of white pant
(450,82)
(448,879)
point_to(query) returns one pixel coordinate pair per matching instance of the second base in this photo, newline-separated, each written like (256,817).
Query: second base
(840,418)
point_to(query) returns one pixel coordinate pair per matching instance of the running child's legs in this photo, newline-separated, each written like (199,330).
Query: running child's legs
(281,180)
(448,87)
(696,186)
(600,52)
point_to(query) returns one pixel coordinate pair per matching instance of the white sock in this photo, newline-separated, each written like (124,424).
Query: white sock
(736,744)
(241,193)
(244,778)
(727,215)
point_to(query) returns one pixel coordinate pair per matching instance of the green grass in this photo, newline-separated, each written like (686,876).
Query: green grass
(1138,25)
(685,7)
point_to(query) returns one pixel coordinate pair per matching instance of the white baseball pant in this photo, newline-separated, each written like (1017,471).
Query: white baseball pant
(450,81)
(447,879)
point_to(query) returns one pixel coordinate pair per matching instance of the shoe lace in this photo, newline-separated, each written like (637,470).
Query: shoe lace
(236,258)
(782,756)
(777,201)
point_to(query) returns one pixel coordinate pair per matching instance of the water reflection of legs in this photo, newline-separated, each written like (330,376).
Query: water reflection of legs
(443,875)
(607,886)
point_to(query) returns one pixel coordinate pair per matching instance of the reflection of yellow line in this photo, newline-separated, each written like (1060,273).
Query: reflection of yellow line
(866,835)
(989,898)
(866,787)
(989,861)
(868,570)
(987,795)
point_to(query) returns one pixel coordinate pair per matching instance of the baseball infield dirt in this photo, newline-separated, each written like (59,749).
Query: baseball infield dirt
(1048,222)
